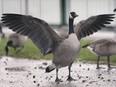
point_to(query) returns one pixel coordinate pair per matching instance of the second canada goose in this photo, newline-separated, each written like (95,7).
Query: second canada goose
(16,41)
(102,47)
(48,41)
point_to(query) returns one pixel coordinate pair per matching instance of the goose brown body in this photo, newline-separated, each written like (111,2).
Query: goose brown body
(68,49)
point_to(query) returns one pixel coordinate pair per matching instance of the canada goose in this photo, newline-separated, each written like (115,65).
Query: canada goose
(16,41)
(102,47)
(48,41)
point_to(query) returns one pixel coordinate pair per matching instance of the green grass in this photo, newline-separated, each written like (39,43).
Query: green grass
(29,51)
(32,52)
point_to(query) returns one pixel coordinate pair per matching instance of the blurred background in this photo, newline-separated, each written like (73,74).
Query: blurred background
(56,12)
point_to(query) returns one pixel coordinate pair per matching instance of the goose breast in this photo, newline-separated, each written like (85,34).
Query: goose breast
(67,50)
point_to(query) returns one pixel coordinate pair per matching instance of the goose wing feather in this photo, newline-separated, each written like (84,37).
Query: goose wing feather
(39,31)
(92,24)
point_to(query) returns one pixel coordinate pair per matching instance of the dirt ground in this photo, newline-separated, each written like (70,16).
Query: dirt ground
(31,73)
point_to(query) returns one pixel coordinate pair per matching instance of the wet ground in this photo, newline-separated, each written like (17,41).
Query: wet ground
(31,73)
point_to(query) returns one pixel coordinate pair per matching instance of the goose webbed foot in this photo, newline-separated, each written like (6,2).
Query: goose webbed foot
(97,67)
(70,79)
(109,68)
(58,80)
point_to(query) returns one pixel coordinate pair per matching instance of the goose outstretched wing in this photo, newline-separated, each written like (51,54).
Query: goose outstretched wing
(92,24)
(39,31)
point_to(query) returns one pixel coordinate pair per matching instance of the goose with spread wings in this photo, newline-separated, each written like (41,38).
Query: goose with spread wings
(48,41)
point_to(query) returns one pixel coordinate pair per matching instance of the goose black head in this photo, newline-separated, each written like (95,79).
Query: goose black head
(114,9)
(72,15)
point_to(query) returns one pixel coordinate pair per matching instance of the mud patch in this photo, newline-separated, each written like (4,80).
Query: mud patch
(15,69)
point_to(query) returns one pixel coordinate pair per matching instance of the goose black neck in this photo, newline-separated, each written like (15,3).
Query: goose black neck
(71,29)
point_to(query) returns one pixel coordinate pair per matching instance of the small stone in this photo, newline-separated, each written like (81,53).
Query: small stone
(35,67)
(79,77)
(102,78)
(44,63)
(34,76)
(79,65)
(34,81)
(40,67)
(6,68)
(27,75)
(86,76)
(83,81)
(11,76)
(46,78)
(5,62)
(87,85)
(10,81)
(38,84)
(30,73)
(50,76)
(88,69)
(109,80)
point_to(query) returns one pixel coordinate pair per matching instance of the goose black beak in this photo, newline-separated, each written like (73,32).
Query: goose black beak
(77,15)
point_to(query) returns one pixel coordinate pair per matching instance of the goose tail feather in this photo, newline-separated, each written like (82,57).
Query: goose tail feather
(50,68)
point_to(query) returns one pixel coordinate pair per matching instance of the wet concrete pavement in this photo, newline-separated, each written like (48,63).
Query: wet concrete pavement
(31,73)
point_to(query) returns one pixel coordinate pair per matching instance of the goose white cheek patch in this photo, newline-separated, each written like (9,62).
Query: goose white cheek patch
(70,16)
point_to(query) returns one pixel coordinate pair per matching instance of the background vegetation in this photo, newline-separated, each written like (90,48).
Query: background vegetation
(32,52)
